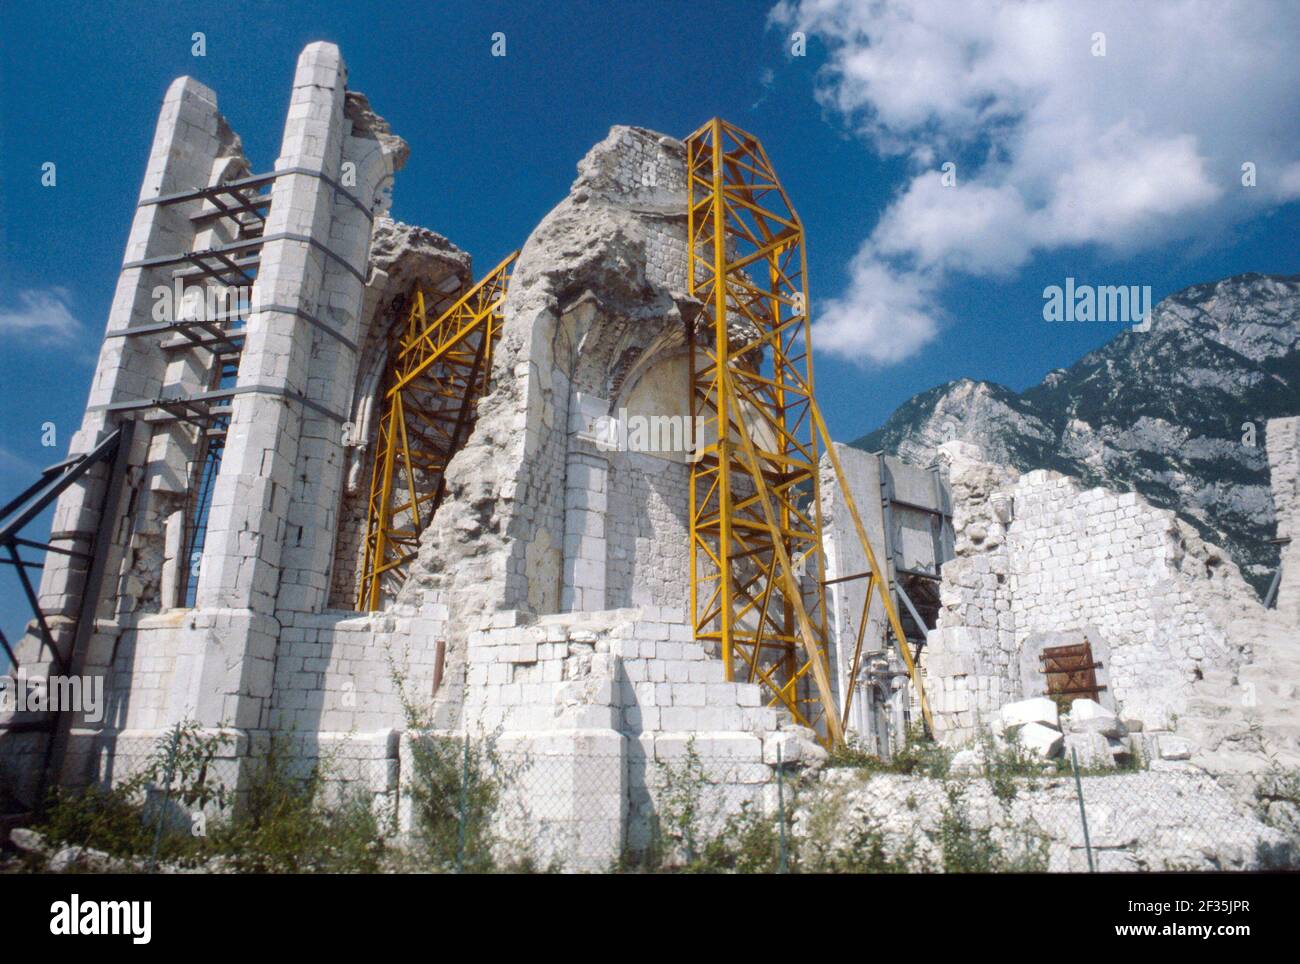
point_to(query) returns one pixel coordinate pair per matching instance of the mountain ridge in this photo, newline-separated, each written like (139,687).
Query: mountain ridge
(1165,412)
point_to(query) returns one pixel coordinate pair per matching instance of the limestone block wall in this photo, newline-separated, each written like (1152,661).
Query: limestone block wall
(1041,561)
(625,695)
(593,287)
(649,533)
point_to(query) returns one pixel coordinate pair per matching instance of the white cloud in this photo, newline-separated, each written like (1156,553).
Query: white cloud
(884,317)
(1054,146)
(42,316)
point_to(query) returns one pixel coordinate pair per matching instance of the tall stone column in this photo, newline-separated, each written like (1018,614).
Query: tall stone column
(371,155)
(187,141)
(266,526)
(586,500)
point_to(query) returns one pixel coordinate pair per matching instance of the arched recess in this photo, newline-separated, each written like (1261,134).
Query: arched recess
(403,258)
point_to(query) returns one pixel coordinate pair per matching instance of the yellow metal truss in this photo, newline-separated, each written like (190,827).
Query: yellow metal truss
(437,372)
(758,563)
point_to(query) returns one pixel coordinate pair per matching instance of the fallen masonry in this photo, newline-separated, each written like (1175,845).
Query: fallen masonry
(546,600)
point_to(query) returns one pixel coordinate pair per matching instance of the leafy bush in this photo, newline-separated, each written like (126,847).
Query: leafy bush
(456,788)
(123,819)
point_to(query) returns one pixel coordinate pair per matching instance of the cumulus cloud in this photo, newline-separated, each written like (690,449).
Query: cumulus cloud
(885,315)
(1054,146)
(42,316)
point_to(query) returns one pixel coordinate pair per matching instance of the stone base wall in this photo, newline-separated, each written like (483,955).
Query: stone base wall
(596,708)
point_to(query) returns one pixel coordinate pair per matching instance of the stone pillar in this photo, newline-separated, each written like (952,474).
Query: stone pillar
(586,494)
(187,141)
(369,158)
(1283,440)
(286,425)
(190,139)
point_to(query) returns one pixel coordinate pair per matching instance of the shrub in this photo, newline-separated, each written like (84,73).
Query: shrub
(285,825)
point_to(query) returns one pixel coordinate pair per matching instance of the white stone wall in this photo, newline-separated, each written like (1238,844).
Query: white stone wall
(1042,560)
(649,533)
(627,693)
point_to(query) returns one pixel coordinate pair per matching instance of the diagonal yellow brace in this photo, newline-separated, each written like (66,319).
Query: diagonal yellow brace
(790,585)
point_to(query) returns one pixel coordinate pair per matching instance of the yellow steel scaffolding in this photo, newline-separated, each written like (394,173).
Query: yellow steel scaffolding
(437,372)
(758,563)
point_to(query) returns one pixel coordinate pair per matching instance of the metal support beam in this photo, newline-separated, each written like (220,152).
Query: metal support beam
(437,373)
(755,496)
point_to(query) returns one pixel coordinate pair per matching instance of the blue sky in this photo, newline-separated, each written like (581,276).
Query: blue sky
(857,129)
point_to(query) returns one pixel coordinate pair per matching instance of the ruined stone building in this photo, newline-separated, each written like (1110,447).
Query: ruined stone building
(548,599)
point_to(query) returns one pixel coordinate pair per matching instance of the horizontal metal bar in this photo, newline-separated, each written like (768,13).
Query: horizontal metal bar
(840,579)
(917,507)
(162,261)
(918,573)
(284,309)
(217,395)
(254,180)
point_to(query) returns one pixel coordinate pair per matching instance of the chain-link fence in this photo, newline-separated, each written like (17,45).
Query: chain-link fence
(474,805)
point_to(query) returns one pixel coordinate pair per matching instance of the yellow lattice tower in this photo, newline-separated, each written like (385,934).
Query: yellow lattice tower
(437,372)
(758,564)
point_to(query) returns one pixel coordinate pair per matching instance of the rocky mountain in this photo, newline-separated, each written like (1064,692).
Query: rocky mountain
(1169,412)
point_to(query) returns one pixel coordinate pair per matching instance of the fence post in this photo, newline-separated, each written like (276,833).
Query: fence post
(783,860)
(167,790)
(464,809)
(1083,813)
